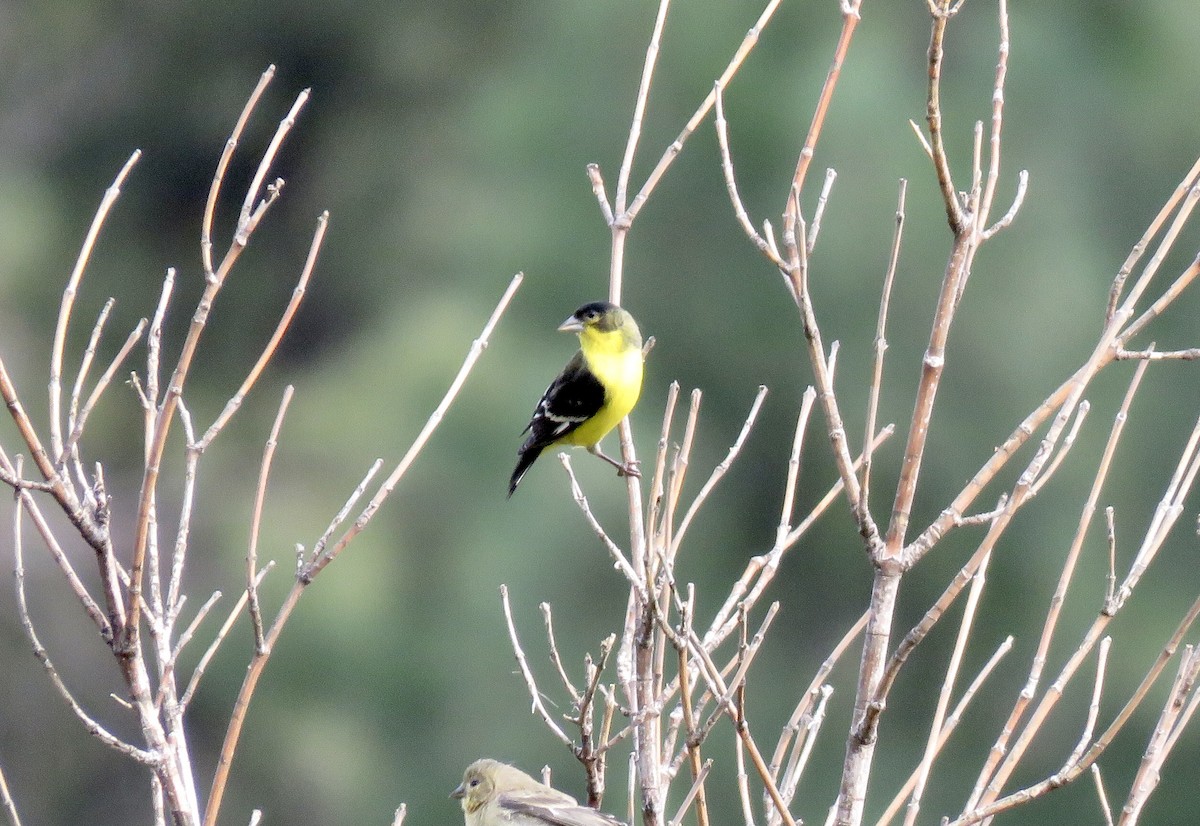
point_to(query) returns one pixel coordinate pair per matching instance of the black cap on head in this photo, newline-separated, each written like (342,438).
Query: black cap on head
(603,311)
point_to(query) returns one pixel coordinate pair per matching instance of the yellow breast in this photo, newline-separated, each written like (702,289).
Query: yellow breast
(619,369)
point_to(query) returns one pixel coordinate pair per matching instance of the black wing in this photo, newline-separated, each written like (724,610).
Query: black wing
(570,400)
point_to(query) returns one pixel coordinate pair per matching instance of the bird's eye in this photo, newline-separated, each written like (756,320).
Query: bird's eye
(591,315)
(474,782)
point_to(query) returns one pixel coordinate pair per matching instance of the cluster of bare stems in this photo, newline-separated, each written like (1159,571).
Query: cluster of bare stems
(141,610)
(681,669)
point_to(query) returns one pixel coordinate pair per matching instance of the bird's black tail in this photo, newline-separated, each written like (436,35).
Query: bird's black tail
(526,456)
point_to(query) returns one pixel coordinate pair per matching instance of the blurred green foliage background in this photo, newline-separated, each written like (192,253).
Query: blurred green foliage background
(448,140)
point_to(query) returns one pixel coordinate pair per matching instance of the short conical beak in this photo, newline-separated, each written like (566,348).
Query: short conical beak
(571,325)
(459,793)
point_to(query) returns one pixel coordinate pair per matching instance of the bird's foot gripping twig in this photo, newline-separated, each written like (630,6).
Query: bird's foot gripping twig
(623,469)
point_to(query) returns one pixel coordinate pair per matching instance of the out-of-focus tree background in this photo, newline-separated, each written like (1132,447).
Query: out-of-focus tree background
(448,140)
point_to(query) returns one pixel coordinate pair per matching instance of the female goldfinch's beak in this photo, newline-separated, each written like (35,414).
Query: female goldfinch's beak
(459,793)
(571,325)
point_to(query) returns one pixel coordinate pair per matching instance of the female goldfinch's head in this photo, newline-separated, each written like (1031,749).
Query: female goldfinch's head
(603,323)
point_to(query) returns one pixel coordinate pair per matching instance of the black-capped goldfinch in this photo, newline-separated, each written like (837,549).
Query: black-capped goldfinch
(497,794)
(597,388)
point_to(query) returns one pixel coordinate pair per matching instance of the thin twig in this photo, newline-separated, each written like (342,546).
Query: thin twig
(76,431)
(251,214)
(6,800)
(234,613)
(340,516)
(802,749)
(880,347)
(618,556)
(306,572)
(260,495)
(68,300)
(850,19)
(214,190)
(281,327)
(822,200)
(24,500)
(739,56)
(554,656)
(94,728)
(689,715)
(1105,808)
(639,109)
(951,724)
(535,695)
(692,794)
(168,668)
(1135,254)
(157,441)
(813,692)
(721,469)
(476,350)
(934,742)
(85,364)
(739,209)
(154,347)
(793,474)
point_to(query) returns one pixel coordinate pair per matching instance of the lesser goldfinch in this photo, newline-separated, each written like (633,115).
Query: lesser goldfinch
(497,794)
(597,388)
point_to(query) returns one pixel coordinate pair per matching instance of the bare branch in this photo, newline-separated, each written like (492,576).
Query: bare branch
(223,164)
(739,56)
(850,18)
(951,724)
(285,321)
(234,613)
(1135,255)
(721,469)
(1105,808)
(260,496)
(77,425)
(576,697)
(535,695)
(6,800)
(693,793)
(739,209)
(933,117)
(340,516)
(252,214)
(477,347)
(881,346)
(934,741)
(68,300)
(93,728)
(166,413)
(819,212)
(24,500)
(618,556)
(639,110)
(85,365)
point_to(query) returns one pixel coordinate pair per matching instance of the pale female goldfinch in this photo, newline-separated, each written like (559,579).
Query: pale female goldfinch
(597,388)
(497,794)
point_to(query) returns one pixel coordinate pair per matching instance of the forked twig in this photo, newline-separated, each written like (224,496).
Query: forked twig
(93,727)
(435,418)
(307,571)
(721,469)
(535,694)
